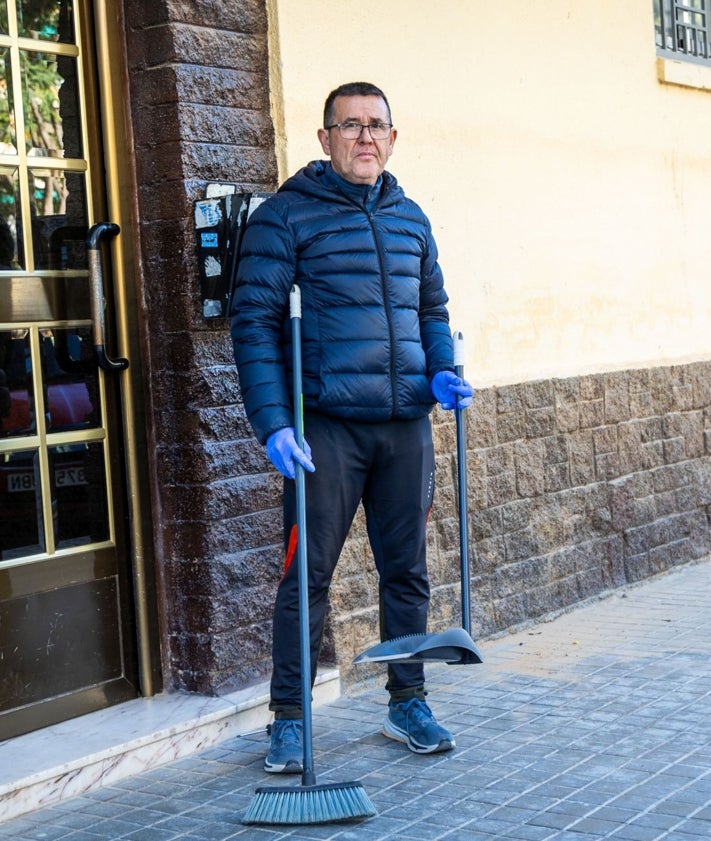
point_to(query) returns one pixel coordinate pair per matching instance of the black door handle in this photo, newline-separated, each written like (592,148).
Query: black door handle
(94,238)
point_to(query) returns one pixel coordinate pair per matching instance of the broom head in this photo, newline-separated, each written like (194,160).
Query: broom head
(323,803)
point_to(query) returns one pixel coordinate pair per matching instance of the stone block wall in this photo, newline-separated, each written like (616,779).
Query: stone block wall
(576,486)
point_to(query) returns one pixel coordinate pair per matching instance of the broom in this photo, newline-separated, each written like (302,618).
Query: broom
(308,803)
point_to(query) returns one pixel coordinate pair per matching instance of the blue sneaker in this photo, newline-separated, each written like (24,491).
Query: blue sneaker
(286,749)
(412,722)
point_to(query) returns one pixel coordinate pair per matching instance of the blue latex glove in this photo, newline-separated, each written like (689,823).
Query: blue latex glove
(451,391)
(283,452)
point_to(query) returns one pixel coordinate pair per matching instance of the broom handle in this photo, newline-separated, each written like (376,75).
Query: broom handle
(308,777)
(460,417)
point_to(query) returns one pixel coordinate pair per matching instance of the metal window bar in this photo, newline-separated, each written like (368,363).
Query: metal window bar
(682,28)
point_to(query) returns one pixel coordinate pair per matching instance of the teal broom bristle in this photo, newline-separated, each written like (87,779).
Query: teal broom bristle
(326,803)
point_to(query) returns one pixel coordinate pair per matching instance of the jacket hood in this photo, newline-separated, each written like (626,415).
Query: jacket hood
(316,179)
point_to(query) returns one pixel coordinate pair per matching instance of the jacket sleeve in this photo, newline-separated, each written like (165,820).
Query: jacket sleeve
(434,317)
(260,320)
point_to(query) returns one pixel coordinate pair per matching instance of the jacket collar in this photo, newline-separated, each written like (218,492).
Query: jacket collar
(365,195)
(319,180)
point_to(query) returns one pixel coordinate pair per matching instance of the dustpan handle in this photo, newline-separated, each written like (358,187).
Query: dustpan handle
(308,777)
(295,315)
(460,418)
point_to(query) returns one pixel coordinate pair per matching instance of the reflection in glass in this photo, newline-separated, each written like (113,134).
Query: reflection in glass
(8,132)
(70,379)
(3,17)
(59,220)
(21,524)
(17,412)
(11,251)
(78,494)
(51,108)
(48,20)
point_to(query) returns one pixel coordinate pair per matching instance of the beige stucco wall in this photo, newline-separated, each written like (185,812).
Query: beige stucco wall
(568,188)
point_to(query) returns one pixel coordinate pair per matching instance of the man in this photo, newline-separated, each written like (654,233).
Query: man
(377,354)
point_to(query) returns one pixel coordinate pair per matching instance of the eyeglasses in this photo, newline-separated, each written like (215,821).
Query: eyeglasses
(352,131)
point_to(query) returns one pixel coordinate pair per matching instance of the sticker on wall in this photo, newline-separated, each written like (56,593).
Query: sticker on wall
(220,219)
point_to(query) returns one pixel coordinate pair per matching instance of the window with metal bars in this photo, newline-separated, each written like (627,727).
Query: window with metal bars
(683,29)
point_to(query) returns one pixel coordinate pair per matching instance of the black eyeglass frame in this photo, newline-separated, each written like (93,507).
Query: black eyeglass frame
(369,126)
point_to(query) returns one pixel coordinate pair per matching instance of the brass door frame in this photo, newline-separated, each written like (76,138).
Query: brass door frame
(109,100)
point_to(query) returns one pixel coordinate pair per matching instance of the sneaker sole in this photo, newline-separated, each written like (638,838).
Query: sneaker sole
(291,767)
(393,732)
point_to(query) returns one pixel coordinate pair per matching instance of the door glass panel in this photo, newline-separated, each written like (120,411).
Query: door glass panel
(8,142)
(70,377)
(11,251)
(51,107)
(17,415)
(50,20)
(21,524)
(59,225)
(3,17)
(78,498)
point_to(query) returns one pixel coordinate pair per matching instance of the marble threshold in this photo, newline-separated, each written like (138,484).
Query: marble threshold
(65,760)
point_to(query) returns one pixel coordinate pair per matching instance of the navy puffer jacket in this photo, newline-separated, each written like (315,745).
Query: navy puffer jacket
(375,327)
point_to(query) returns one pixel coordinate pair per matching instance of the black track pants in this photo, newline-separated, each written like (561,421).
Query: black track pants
(390,467)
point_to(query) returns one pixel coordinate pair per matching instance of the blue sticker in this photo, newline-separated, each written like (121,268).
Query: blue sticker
(208,240)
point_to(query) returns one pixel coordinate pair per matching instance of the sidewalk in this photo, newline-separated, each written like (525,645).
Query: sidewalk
(594,725)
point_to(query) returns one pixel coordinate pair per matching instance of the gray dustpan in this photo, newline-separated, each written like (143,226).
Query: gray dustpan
(454,646)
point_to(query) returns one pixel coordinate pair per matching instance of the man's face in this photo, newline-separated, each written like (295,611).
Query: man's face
(359,161)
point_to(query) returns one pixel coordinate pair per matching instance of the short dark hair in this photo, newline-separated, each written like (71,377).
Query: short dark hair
(352,89)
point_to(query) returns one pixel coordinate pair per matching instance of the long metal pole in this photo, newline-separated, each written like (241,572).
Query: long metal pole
(460,417)
(308,777)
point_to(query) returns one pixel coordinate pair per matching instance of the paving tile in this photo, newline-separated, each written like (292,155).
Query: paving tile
(595,826)
(630,832)
(70,821)
(694,826)
(45,832)
(552,820)
(114,828)
(151,833)
(527,832)
(216,831)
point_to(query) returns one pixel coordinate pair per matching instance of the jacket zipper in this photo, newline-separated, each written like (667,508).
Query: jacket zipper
(386,297)
(388,315)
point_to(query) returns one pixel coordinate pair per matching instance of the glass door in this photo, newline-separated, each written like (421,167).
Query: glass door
(67,630)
